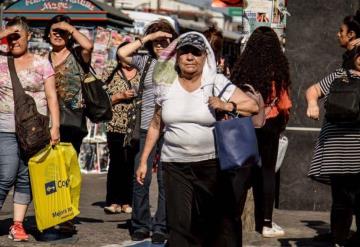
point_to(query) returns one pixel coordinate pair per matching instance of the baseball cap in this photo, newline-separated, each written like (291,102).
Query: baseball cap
(192,39)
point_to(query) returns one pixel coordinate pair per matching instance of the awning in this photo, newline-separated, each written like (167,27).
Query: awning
(78,10)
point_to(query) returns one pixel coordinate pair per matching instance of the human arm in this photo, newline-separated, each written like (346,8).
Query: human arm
(124,95)
(313,93)
(85,44)
(151,139)
(125,52)
(243,104)
(53,105)
(8,31)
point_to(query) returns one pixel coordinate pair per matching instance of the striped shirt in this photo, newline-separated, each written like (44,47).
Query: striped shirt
(338,147)
(148,98)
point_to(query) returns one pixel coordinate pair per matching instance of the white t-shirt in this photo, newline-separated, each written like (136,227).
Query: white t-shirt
(189,121)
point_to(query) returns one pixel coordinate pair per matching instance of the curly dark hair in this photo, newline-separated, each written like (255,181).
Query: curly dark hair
(261,63)
(159,25)
(215,38)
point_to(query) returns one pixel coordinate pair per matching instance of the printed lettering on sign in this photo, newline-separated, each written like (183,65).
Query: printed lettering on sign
(47,5)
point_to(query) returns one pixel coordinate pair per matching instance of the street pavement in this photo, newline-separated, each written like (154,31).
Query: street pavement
(95,228)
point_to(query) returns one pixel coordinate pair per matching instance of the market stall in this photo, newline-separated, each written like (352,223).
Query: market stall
(103,25)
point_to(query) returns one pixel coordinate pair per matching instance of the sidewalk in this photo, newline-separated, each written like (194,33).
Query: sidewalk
(98,229)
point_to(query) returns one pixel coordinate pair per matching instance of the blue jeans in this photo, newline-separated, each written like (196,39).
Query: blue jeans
(13,171)
(141,218)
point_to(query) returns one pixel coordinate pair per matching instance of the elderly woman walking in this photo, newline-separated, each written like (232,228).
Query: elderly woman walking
(185,107)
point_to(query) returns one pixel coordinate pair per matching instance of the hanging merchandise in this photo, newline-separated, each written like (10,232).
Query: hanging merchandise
(55,184)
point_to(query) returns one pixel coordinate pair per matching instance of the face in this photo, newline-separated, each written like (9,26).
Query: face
(190,60)
(357,63)
(18,42)
(58,37)
(159,45)
(344,36)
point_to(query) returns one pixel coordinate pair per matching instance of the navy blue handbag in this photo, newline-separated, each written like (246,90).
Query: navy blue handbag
(236,141)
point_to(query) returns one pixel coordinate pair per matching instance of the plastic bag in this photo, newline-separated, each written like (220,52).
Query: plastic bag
(55,183)
(283,144)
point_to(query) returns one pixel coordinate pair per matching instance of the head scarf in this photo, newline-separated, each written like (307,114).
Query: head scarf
(165,73)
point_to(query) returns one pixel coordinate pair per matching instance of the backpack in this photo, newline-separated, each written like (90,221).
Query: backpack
(343,101)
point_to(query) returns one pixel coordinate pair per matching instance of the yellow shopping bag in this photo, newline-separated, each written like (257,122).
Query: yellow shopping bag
(55,183)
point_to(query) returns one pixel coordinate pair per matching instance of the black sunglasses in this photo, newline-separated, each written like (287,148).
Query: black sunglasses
(190,49)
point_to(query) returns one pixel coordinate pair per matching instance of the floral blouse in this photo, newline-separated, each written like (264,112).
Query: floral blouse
(33,81)
(68,82)
(119,121)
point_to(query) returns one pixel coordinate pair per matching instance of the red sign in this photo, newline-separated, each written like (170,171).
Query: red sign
(227,3)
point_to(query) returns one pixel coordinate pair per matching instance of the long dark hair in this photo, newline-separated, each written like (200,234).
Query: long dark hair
(159,25)
(57,19)
(261,63)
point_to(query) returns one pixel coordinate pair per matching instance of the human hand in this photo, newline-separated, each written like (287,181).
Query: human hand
(64,26)
(11,30)
(128,94)
(313,111)
(141,173)
(353,43)
(157,35)
(217,104)
(55,135)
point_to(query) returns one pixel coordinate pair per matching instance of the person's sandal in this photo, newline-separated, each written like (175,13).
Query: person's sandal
(126,209)
(113,209)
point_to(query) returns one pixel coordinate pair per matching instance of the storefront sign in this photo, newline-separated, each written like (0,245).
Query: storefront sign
(235,11)
(56,5)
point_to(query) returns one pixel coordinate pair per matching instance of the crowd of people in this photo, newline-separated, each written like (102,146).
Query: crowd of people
(165,102)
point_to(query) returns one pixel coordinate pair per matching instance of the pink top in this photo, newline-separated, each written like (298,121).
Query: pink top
(32,80)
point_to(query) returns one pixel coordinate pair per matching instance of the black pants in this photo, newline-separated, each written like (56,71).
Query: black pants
(200,204)
(73,135)
(234,185)
(345,190)
(121,170)
(264,177)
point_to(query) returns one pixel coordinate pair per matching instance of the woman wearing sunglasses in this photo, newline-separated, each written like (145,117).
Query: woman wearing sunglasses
(157,37)
(37,78)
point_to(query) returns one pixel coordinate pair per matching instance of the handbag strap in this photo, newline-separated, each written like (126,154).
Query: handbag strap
(125,78)
(224,89)
(18,89)
(142,78)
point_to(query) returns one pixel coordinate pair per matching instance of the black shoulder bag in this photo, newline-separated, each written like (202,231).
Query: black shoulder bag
(32,128)
(97,102)
(343,102)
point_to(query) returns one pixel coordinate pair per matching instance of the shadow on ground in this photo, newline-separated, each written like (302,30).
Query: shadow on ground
(100,204)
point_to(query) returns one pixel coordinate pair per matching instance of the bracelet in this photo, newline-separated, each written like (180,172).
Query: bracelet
(234,110)
(140,40)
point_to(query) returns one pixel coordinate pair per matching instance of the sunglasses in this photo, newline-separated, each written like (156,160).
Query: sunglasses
(162,42)
(13,37)
(190,49)
(59,32)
